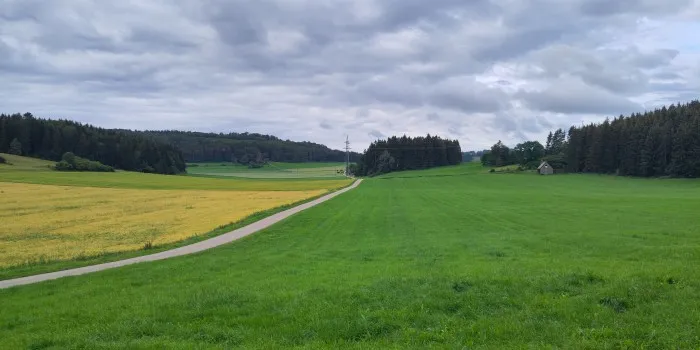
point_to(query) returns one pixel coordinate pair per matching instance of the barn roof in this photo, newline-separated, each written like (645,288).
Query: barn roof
(543,164)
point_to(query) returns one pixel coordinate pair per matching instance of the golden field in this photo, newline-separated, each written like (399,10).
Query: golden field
(46,222)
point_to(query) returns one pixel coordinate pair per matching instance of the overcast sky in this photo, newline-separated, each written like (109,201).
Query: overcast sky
(474,70)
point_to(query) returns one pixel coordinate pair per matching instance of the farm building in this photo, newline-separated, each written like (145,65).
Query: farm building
(545,169)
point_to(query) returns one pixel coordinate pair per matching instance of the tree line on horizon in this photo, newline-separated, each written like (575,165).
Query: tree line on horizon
(664,142)
(247,148)
(407,153)
(26,135)
(164,152)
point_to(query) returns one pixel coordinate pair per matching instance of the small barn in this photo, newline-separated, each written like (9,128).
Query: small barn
(545,169)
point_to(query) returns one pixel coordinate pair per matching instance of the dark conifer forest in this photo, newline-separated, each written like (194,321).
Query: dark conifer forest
(49,139)
(663,142)
(247,147)
(406,153)
(162,152)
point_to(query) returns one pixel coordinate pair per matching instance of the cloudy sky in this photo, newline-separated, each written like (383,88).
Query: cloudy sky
(476,70)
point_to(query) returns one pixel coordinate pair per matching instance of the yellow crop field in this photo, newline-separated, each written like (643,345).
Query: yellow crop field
(57,222)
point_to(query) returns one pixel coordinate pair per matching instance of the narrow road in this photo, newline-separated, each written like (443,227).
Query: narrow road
(189,249)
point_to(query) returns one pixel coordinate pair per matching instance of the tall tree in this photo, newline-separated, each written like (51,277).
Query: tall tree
(123,149)
(662,142)
(15,147)
(406,153)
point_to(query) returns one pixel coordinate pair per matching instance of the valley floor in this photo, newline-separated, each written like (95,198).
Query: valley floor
(448,258)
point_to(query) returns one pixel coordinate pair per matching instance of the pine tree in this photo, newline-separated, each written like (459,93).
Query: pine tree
(15,147)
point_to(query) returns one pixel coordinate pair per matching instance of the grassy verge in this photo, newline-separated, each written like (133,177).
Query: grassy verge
(45,266)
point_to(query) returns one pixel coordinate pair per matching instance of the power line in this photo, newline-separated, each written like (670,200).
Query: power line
(347,156)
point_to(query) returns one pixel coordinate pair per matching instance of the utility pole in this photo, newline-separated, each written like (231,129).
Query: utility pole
(347,156)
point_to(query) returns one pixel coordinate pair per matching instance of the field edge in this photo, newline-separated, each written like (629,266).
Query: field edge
(41,267)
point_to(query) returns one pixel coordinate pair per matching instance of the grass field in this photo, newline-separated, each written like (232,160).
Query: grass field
(446,258)
(91,216)
(34,171)
(311,170)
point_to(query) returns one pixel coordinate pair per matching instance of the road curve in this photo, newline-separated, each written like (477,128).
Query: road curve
(189,249)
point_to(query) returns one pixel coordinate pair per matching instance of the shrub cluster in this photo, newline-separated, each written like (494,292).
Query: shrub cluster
(2,160)
(71,162)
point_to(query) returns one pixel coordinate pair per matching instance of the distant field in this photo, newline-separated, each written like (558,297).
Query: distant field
(270,171)
(446,258)
(19,163)
(29,170)
(49,216)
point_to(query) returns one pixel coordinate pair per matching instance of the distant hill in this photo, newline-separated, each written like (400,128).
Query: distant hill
(246,147)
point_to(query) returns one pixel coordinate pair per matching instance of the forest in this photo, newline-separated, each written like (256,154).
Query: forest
(49,139)
(661,143)
(247,148)
(407,153)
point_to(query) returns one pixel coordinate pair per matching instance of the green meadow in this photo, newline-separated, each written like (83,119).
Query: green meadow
(273,170)
(445,258)
(35,171)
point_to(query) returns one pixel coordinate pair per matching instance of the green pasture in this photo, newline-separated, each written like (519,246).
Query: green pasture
(35,171)
(275,170)
(444,258)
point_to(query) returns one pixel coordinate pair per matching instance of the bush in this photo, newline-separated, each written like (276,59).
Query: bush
(71,162)
(2,160)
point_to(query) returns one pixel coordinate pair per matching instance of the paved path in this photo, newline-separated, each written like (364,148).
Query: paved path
(189,249)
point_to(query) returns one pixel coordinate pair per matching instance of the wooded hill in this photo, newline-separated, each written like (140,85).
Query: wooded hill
(663,142)
(406,153)
(50,139)
(246,147)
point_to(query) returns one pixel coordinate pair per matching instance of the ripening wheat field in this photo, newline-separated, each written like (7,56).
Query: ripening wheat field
(46,222)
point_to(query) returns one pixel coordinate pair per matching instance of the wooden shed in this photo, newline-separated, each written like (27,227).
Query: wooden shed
(545,169)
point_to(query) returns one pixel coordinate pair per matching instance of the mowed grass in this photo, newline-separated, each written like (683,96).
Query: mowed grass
(276,170)
(49,223)
(448,258)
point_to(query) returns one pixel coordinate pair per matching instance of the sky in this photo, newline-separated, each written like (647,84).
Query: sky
(477,71)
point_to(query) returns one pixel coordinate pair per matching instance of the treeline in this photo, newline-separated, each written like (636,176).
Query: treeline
(246,148)
(406,153)
(50,139)
(528,154)
(663,142)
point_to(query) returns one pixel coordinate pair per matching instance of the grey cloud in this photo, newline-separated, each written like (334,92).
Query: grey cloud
(666,75)
(362,113)
(376,134)
(655,59)
(608,8)
(449,65)
(623,71)
(324,124)
(467,95)
(573,96)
